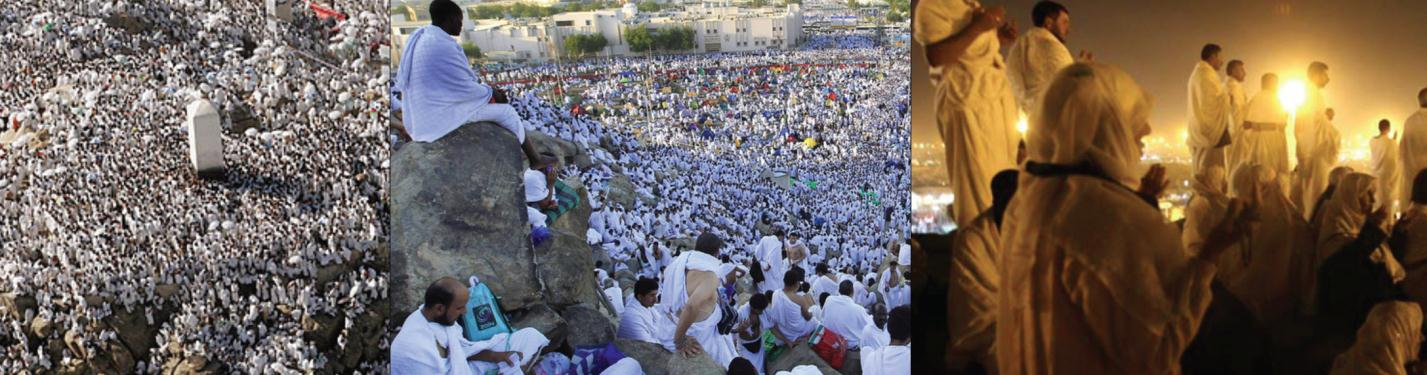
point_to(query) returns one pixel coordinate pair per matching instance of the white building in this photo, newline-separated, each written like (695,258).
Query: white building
(716,29)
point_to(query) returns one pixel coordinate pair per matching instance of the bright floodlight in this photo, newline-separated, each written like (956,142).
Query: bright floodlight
(1022,125)
(1291,95)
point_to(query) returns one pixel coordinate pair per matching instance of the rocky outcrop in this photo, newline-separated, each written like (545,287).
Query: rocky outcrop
(621,191)
(657,361)
(591,327)
(457,210)
(544,319)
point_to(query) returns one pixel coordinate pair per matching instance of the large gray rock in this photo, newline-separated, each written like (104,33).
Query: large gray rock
(649,355)
(590,327)
(457,210)
(696,365)
(568,152)
(621,191)
(544,319)
(566,269)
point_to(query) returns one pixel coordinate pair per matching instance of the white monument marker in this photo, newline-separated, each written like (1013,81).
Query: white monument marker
(205,139)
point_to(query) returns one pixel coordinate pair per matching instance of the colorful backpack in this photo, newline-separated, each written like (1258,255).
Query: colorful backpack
(483,318)
(594,360)
(830,346)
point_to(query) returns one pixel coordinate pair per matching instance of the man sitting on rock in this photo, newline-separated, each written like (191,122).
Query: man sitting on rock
(430,341)
(896,357)
(640,321)
(875,335)
(546,196)
(439,92)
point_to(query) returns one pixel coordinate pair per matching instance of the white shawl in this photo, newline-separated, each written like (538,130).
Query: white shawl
(439,90)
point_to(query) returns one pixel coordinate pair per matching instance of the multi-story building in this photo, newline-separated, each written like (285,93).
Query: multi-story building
(716,29)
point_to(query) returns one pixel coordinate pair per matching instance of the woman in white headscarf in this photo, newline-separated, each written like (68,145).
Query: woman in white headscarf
(1093,279)
(1387,342)
(1205,209)
(1356,270)
(1342,217)
(1277,251)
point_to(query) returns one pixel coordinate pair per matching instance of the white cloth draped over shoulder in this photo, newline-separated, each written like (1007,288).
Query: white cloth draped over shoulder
(1317,148)
(1386,342)
(971,293)
(1266,143)
(1413,151)
(1208,116)
(1033,61)
(674,296)
(887,360)
(976,111)
(1067,290)
(440,92)
(1384,166)
(847,318)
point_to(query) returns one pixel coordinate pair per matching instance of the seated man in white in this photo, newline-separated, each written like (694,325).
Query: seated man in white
(824,282)
(752,322)
(875,335)
(430,341)
(438,90)
(791,312)
(640,321)
(847,318)
(896,357)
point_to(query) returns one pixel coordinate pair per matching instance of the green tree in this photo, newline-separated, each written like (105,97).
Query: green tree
(639,38)
(593,43)
(649,6)
(582,45)
(675,39)
(473,52)
(758,3)
(853,4)
(786,2)
(895,17)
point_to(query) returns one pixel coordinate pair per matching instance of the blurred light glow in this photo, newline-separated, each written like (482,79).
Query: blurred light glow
(1291,95)
(1022,125)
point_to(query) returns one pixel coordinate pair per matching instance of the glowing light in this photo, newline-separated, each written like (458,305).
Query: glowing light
(1184,135)
(1022,125)
(1292,94)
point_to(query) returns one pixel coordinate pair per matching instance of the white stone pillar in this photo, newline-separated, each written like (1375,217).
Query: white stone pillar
(205,139)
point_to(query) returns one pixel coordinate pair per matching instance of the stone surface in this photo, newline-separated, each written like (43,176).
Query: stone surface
(799,355)
(621,191)
(653,358)
(589,327)
(566,269)
(543,319)
(457,210)
(695,365)
(568,152)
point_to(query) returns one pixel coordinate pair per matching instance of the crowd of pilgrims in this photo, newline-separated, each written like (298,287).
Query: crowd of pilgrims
(698,135)
(105,217)
(1073,268)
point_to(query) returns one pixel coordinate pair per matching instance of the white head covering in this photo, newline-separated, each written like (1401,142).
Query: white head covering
(1091,113)
(1343,212)
(1388,339)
